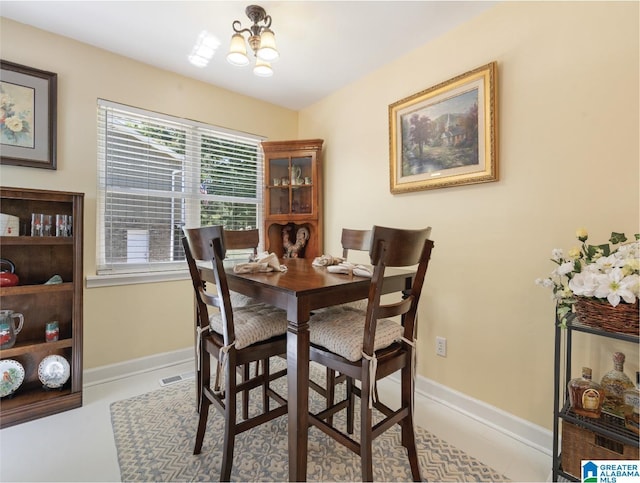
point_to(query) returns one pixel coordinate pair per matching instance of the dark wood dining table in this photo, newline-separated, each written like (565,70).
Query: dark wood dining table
(300,290)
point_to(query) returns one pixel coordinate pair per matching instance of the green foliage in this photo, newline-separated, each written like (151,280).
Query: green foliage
(617,238)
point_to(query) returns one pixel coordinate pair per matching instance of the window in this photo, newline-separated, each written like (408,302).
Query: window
(158,173)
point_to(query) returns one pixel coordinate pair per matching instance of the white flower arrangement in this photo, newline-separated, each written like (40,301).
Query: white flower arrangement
(607,272)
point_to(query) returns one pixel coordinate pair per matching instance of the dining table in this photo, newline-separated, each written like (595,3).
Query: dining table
(300,289)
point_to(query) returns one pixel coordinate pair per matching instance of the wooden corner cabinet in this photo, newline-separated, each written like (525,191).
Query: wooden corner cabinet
(54,249)
(293,198)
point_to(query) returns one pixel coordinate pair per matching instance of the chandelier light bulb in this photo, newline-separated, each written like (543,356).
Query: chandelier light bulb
(267,50)
(262,68)
(238,51)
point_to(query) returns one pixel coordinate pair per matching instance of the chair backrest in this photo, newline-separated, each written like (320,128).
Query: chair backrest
(207,244)
(392,247)
(355,240)
(247,242)
(239,239)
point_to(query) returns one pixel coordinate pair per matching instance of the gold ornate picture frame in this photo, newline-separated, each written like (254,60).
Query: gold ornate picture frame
(446,135)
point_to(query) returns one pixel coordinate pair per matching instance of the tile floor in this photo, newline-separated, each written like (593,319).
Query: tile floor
(78,445)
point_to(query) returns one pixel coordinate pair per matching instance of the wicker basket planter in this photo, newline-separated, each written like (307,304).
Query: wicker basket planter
(596,313)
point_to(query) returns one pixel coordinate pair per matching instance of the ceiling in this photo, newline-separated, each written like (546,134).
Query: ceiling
(324,45)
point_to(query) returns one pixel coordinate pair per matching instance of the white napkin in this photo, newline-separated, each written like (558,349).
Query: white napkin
(326,260)
(351,269)
(265,262)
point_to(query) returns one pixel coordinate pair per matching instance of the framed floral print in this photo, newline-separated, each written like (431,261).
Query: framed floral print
(446,135)
(28,114)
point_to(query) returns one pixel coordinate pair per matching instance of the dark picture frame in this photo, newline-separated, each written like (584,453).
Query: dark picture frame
(446,135)
(28,116)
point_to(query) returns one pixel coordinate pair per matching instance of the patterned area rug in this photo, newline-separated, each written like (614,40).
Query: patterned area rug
(154,435)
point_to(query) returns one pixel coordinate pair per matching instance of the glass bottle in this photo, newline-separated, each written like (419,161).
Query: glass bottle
(585,395)
(631,399)
(614,383)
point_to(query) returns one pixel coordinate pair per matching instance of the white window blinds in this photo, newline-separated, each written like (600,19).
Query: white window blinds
(158,173)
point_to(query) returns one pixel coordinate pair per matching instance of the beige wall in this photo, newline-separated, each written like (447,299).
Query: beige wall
(568,113)
(126,322)
(568,128)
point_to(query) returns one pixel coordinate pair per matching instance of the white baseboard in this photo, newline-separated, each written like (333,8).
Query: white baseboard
(112,372)
(517,428)
(532,435)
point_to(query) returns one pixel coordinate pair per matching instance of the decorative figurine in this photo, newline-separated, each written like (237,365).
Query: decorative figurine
(294,250)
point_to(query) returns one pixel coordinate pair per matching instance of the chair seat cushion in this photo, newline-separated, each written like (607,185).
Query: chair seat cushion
(240,300)
(341,331)
(253,323)
(357,305)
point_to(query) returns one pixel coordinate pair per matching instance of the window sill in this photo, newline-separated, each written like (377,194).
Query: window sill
(95,281)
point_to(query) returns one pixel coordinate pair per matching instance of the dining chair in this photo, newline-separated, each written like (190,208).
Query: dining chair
(368,346)
(235,337)
(351,240)
(244,244)
(355,240)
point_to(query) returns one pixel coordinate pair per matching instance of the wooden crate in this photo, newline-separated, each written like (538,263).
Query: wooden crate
(581,444)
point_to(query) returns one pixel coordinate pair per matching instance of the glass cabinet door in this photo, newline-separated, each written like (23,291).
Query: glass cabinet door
(301,185)
(279,186)
(290,185)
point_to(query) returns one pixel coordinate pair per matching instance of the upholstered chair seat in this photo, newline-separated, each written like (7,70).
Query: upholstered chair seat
(240,300)
(341,331)
(252,323)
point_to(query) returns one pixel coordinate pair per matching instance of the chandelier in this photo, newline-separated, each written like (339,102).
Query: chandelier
(261,39)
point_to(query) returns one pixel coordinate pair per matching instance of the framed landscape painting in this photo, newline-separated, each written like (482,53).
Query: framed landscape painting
(28,114)
(446,135)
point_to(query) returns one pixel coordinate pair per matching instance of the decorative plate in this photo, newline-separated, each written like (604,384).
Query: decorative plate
(54,371)
(12,375)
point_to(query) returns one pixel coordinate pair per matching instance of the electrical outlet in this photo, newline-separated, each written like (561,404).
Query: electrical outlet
(441,346)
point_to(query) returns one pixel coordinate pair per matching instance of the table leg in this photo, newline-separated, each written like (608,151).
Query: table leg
(298,398)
